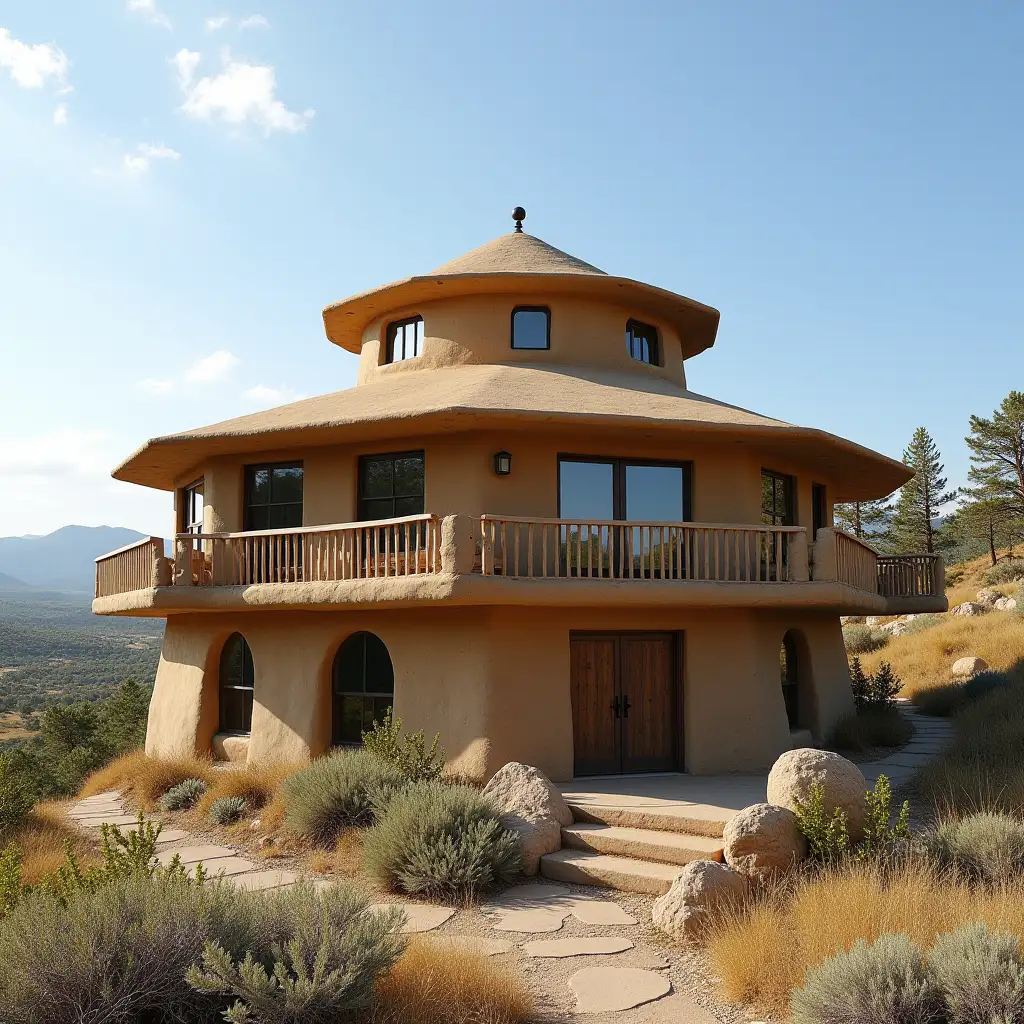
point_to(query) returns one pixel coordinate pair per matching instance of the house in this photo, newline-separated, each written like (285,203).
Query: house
(522,530)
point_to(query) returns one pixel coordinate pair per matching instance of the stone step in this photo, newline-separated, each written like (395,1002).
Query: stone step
(582,868)
(693,820)
(641,843)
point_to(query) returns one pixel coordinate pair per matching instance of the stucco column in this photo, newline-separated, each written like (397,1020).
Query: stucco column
(824,567)
(459,536)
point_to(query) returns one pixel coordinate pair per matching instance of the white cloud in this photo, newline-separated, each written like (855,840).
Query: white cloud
(31,65)
(150,10)
(60,114)
(60,453)
(213,367)
(242,93)
(138,162)
(265,396)
(213,24)
(156,386)
(254,21)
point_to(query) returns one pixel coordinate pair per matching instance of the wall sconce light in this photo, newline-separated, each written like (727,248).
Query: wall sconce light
(503,463)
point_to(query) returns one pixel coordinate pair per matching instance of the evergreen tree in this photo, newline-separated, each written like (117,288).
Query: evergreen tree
(991,519)
(997,456)
(864,519)
(920,498)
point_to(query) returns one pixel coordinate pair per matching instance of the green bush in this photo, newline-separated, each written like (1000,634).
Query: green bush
(863,730)
(440,841)
(183,795)
(227,809)
(860,683)
(954,574)
(407,754)
(988,845)
(920,623)
(980,975)
(1006,570)
(10,877)
(885,687)
(15,800)
(884,983)
(326,968)
(337,791)
(864,639)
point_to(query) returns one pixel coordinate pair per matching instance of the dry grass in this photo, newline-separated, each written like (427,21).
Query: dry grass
(761,954)
(42,837)
(145,779)
(437,982)
(257,784)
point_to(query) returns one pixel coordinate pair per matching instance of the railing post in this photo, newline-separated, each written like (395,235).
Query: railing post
(824,567)
(799,571)
(459,537)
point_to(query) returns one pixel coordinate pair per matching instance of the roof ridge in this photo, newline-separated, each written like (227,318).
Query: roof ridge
(516,253)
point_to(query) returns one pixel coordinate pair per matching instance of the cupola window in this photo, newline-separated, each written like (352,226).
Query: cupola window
(642,342)
(531,327)
(405,339)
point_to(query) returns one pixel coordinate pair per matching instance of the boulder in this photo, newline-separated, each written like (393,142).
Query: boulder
(965,668)
(874,620)
(969,608)
(531,807)
(893,628)
(987,597)
(762,841)
(701,889)
(1005,604)
(797,772)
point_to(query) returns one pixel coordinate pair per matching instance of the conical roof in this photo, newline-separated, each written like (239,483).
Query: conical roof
(518,262)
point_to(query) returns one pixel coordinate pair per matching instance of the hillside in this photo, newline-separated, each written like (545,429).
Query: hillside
(62,560)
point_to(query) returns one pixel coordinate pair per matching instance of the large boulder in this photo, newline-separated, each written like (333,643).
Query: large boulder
(763,841)
(965,668)
(986,597)
(896,628)
(702,888)
(531,807)
(969,608)
(1005,604)
(797,772)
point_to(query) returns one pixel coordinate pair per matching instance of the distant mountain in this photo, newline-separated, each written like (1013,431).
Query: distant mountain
(62,560)
(9,583)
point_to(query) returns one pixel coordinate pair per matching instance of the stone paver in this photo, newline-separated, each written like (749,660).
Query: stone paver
(418,917)
(576,947)
(224,867)
(194,854)
(109,819)
(171,835)
(600,912)
(532,920)
(532,896)
(610,989)
(258,881)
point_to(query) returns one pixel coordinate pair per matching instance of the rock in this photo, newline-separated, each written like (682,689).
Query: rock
(531,807)
(987,597)
(851,620)
(874,620)
(254,824)
(893,628)
(965,668)
(969,608)
(702,888)
(796,773)
(1005,604)
(762,841)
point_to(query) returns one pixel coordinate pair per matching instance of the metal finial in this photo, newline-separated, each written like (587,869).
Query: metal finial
(519,215)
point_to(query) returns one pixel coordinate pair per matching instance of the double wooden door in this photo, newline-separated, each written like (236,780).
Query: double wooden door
(625,702)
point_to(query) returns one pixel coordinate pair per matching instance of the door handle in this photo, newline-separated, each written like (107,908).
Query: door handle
(617,707)
(625,706)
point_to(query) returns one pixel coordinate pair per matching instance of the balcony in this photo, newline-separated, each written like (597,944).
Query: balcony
(508,560)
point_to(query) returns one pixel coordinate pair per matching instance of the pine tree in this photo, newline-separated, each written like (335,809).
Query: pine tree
(997,455)
(920,498)
(991,519)
(865,519)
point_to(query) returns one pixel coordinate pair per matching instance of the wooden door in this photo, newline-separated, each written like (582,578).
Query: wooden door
(596,732)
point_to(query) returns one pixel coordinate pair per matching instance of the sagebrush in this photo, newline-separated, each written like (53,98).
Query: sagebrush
(988,845)
(226,810)
(183,795)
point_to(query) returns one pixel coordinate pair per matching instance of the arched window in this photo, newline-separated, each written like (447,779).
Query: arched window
(789,671)
(363,684)
(236,685)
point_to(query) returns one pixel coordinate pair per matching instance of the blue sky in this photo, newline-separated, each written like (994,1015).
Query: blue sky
(184,185)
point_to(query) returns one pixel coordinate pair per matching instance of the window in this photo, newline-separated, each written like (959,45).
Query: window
(642,342)
(236,685)
(192,508)
(363,684)
(777,499)
(789,670)
(273,497)
(531,327)
(391,485)
(405,339)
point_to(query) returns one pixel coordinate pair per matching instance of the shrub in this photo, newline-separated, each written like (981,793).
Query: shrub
(145,779)
(884,983)
(954,574)
(10,877)
(1006,570)
(226,810)
(983,684)
(885,687)
(860,684)
(920,623)
(862,639)
(257,784)
(337,791)
(183,795)
(871,728)
(828,839)
(940,701)
(441,841)
(987,845)
(407,754)
(880,836)
(326,967)
(15,800)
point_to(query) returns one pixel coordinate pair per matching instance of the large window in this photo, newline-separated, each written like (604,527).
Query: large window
(363,685)
(405,339)
(391,485)
(642,342)
(236,685)
(192,508)
(273,497)
(777,499)
(531,327)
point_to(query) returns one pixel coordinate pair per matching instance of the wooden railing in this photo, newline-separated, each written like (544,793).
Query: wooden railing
(856,562)
(570,548)
(910,576)
(134,567)
(407,546)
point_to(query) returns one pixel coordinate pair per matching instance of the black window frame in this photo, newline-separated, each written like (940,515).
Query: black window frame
(242,725)
(370,698)
(819,508)
(619,465)
(249,505)
(189,524)
(512,328)
(632,338)
(361,498)
(391,337)
(789,489)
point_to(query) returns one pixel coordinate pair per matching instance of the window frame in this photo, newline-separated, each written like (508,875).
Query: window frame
(250,471)
(656,355)
(619,465)
(819,508)
(338,695)
(187,522)
(789,482)
(247,662)
(392,456)
(390,337)
(512,328)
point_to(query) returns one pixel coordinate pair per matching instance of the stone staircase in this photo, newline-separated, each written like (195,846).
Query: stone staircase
(633,850)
